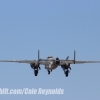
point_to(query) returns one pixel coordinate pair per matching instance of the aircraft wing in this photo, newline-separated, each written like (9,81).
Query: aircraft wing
(26,61)
(80,62)
(62,62)
(19,61)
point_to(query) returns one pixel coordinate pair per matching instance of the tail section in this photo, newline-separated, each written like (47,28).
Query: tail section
(39,59)
(38,55)
(74,56)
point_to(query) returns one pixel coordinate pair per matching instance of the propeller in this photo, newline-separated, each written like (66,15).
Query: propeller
(67,58)
(69,64)
(68,71)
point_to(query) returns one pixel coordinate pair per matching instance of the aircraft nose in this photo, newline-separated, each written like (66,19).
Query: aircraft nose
(51,63)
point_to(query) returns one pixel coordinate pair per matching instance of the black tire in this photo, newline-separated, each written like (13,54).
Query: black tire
(36,72)
(66,73)
(48,72)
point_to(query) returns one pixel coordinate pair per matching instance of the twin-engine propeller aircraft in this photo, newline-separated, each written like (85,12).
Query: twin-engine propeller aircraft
(51,63)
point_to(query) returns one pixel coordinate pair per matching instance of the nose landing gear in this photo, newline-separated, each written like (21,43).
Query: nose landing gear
(48,72)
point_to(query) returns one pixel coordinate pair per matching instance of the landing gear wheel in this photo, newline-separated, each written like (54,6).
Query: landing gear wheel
(36,72)
(48,72)
(66,73)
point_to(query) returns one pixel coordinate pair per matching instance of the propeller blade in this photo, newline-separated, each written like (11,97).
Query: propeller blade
(39,68)
(68,71)
(67,58)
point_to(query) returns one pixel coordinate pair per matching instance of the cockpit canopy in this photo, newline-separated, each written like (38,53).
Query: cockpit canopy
(49,57)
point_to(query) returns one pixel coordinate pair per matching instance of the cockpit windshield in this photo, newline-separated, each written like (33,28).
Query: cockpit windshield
(50,57)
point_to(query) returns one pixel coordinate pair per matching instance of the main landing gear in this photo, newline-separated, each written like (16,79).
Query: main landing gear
(66,73)
(49,71)
(66,70)
(35,72)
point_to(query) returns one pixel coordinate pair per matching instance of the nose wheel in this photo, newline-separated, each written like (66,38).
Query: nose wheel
(48,72)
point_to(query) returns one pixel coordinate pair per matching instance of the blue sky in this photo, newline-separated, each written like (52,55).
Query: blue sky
(56,28)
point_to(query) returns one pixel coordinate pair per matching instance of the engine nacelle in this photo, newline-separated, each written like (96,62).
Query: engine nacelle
(67,64)
(34,65)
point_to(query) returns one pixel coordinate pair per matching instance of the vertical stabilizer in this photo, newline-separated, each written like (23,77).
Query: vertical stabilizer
(74,56)
(38,55)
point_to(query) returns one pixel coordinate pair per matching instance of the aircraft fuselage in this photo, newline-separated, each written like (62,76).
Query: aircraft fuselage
(52,64)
